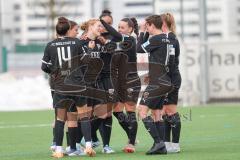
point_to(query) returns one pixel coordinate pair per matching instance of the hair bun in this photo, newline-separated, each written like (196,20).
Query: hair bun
(106,11)
(62,20)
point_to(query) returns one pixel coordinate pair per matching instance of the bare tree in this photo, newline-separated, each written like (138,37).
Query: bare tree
(50,7)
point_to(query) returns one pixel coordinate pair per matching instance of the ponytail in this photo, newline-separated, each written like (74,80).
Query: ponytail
(169,20)
(135,26)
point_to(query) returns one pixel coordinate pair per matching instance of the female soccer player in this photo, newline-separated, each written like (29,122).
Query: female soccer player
(103,84)
(104,121)
(122,77)
(172,118)
(159,84)
(57,61)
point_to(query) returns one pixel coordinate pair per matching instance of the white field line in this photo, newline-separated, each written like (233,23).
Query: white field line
(25,126)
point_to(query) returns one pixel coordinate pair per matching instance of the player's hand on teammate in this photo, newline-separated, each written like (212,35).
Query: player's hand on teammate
(83,37)
(102,39)
(91,44)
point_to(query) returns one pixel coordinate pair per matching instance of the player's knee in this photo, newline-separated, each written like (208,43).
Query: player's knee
(118,107)
(170,109)
(130,108)
(142,114)
(72,116)
(84,112)
(61,115)
(100,111)
(72,123)
(174,119)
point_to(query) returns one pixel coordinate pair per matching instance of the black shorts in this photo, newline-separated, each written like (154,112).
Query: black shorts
(92,96)
(105,85)
(67,101)
(153,103)
(172,97)
(128,89)
(52,93)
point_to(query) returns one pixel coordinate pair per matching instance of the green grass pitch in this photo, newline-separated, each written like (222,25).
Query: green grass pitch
(208,133)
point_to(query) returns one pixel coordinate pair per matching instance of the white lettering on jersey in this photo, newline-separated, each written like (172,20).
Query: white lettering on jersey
(62,56)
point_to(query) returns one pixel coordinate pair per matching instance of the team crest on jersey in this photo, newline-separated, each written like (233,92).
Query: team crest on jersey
(111,91)
(145,96)
(130,92)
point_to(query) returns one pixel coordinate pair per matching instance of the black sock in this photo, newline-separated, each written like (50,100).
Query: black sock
(133,126)
(67,138)
(86,129)
(176,127)
(160,125)
(106,130)
(151,128)
(54,138)
(167,129)
(96,122)
(72,133)
(55,115)
(79,133)
(59,132)
(122,120)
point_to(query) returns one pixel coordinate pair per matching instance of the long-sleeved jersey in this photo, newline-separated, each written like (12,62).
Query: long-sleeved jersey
(117,37)
(95,62)
(61,57)
(174,53)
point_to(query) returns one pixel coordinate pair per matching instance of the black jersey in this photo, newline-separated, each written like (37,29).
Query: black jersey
(117,37)
(95,63)
(61,57)
(157,48)
(174,53)
(106,57)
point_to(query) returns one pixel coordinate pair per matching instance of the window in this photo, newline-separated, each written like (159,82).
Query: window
(211,10)
(215,21)
(191,22)
(216,34)
(192,35)
(36,28)
(36,16)
(17,30)
(16,6)
(138,15)
(17,18)
(137,4)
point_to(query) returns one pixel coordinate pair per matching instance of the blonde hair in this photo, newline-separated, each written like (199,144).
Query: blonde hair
(85,25)
(169,20)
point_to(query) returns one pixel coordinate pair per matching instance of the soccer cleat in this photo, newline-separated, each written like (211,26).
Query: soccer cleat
(168,145)
(73,153)
(90,152)
(175,148)
(157,148)
(96,144)
(67,149)
(129,148)
(58,155)
(53,146)
(81,151)
(107,150)
(83,143)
